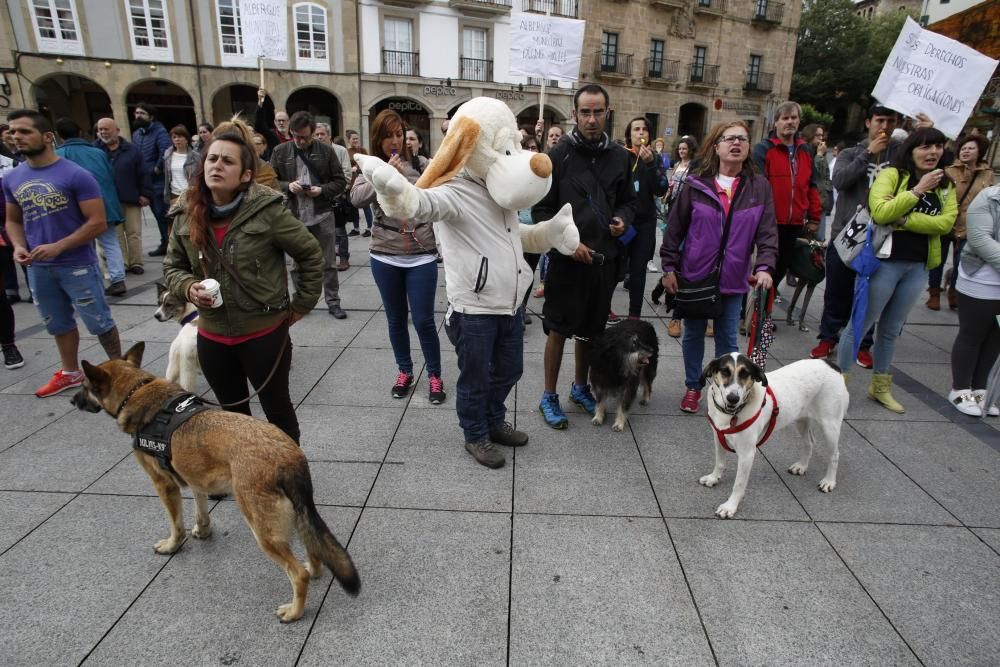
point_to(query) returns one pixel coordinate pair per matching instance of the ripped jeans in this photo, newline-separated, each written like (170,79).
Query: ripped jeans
(59,290)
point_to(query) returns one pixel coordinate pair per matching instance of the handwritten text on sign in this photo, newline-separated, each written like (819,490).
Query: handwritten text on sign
(934,74)
(545,47)
(265,28)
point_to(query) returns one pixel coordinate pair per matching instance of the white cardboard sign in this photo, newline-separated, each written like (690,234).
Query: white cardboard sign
(545,46)
(265,28)
(927,72)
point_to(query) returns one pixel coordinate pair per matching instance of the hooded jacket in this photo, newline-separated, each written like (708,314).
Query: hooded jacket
(152,141)
(96,162)
(261,233)
(595,179)
(796,197)
(694,231)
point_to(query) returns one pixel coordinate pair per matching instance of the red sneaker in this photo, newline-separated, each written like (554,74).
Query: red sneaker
(690,401)
(823,350)
(614,318)
(865,358)
(61,381)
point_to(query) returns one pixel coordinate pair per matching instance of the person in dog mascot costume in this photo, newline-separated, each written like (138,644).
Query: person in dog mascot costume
(473,188)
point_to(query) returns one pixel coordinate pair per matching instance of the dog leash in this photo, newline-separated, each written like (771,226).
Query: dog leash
(274,368)
(721,434)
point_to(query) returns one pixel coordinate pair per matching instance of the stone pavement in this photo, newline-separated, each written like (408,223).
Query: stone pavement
(589,547)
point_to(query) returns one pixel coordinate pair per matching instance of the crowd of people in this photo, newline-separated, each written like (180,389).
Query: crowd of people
(232,202)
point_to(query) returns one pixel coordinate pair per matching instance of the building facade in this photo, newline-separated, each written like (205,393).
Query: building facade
(685,64)
(872,8)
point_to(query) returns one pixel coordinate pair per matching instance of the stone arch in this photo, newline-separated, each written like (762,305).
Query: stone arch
(692,118)
(173,103)
(74,96)
(234,97)
(322,103)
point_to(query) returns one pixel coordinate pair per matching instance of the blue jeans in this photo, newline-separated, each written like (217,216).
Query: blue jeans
(112,252)
(693,340)
(59,290)
(893,290)
(406,290)
(490,352)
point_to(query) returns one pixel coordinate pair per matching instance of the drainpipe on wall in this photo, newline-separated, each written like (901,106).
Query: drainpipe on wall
(362,125)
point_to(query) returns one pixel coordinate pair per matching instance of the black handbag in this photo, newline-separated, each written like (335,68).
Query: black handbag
(702,299)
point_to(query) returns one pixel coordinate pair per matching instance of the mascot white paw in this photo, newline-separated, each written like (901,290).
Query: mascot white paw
(561,233)
(397,195)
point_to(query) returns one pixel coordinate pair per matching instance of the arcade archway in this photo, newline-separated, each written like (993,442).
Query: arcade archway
(691,120)
(72,96)
(321,103)
(173,105)
(235,98)
(413,113)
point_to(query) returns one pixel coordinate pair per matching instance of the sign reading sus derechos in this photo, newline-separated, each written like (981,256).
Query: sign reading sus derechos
(927,72)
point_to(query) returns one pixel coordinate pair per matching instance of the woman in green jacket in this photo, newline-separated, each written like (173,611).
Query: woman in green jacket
(243,331)
(916,197)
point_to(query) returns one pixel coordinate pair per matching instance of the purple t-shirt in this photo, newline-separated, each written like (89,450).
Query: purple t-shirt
(49,201)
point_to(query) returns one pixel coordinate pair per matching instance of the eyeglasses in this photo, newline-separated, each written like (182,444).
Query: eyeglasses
(734,139)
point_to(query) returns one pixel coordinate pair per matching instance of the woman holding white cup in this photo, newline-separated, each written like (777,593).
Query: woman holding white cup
(243,318)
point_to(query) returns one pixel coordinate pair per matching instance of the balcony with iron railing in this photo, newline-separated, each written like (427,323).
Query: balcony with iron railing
(475,69)
(562,8)
(715,7)
(482,6)
(537,81)
(703,75)
(400,63)
(658,70)
(759,82)
(768,13)
(607,63)
(677,4)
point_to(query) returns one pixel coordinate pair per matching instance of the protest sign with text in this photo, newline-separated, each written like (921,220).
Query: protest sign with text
(934,74)
(265,28)
(546,47)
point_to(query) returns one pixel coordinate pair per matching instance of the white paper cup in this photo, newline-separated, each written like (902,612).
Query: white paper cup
(211,285)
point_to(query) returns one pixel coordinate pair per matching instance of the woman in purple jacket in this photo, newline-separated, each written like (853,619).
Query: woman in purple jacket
(724,181)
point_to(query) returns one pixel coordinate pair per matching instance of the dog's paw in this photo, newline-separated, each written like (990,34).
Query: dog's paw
(167,546)
(643,401)
(726,510)
(202,532)
(709,480)
(618,426)
(598,418)
(288,613)
(797,468)
(827,485)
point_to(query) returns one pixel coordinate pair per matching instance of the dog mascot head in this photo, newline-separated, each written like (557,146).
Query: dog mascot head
(483,138)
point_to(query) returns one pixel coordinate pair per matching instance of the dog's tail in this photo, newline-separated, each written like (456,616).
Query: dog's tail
(319,541)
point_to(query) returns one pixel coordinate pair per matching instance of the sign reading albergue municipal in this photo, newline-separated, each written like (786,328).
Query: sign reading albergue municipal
(927,72)
(264,25)
(546,47)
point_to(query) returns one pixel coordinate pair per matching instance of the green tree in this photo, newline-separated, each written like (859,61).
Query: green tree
(810,115)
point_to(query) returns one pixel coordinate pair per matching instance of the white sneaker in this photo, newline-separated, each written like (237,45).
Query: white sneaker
(980,395)
(965,402)
(653,267)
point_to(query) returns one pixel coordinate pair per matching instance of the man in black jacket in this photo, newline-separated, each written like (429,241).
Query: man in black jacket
(590,172)
(135,189)
(312,178)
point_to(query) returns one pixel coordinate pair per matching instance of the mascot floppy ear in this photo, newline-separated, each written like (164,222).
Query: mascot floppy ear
(454,152)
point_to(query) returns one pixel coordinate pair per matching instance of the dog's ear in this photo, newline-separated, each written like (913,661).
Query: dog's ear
(756,372)
(710,370)
(454,152)
(98,377)
(134,354)
(160,289)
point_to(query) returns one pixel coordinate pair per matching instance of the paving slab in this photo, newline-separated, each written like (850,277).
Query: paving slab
(320,329)
(584,469)
(67,455)
(428,467)
(360,377)
(677,451)
(127,478)
(218,597)
(775,593)
(621,599)
(869,487)
(335,433)
(991,536)
(961,473)
(22,512)
(75,575)
(445,573)
(23,415)
(940,587)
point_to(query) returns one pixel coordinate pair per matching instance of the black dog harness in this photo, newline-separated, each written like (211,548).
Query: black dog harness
(154,437)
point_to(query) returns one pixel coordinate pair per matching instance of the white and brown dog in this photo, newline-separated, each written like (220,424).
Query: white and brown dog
(182,361)
(745,407)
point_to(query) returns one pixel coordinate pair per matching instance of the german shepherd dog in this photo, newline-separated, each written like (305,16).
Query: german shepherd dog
(182,360)
(623,363)
(218,452)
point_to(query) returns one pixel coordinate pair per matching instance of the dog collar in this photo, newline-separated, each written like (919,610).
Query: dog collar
(734,428)
(142,383)
(190,317)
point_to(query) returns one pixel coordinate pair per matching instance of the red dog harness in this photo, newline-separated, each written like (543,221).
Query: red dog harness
(737,428)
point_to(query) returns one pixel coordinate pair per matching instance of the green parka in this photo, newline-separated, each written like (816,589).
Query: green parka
(259,236)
